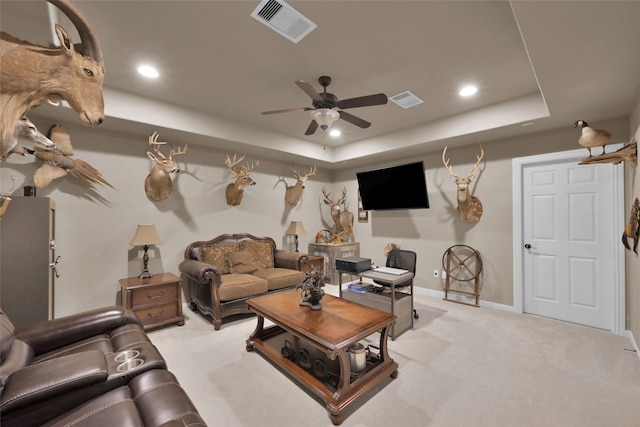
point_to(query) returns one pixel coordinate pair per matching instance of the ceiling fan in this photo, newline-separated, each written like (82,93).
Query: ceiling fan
(327,108)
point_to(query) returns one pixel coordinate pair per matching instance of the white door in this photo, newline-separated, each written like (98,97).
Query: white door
(570,241)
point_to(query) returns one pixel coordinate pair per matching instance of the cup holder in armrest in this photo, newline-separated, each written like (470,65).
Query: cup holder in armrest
(126,355)
(129,365)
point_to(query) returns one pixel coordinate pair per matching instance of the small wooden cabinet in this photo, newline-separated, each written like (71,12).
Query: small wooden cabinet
(331,252)
(156,300)
(315,262)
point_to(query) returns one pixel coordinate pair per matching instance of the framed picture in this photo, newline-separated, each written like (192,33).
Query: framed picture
(363,216)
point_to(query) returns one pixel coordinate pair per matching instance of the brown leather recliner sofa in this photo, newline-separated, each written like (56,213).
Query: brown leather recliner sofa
(225,271)
(68,371)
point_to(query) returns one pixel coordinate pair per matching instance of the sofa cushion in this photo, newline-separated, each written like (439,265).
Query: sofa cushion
(235,286)
(242,262)
(216,256)
(262,252)
(278,278)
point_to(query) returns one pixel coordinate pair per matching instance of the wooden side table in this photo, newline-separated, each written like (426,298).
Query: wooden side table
(315,261)
(156,300)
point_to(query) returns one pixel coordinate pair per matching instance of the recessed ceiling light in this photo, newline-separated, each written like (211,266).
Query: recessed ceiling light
(335,132)
(148,71)
(468,90)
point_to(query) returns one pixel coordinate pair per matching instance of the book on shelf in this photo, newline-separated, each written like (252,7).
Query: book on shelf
(360,287)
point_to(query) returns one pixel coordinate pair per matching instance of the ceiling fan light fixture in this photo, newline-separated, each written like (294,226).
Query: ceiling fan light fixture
(325,117)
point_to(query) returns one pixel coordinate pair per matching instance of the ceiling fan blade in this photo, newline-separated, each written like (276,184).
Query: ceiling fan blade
(286,110)
(309,90)
(354,120)
(363,101)
(312,128)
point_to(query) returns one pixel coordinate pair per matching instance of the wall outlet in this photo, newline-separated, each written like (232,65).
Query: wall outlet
(443,274)
(436,273)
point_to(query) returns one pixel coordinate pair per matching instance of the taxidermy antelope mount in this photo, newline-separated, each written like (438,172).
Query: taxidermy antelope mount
(31,75)
(235,191)
(343,220)
(469,207)
(294,192)
(158,185)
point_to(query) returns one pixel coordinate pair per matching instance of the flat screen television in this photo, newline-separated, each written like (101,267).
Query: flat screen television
(397,187)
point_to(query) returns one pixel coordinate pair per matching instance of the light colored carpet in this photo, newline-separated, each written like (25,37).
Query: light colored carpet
(459,366)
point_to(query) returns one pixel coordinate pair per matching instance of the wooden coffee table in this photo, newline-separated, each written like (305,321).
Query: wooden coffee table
(324,335)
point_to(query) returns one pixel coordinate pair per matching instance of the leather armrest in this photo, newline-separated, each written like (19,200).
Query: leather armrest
(42,381)
(199,271)
(51,334)
(289,259)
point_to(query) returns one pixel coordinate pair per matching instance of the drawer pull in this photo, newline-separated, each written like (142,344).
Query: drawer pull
(155,296)
(155,315)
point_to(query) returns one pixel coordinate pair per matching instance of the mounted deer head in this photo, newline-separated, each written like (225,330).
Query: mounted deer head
(469,207)
(235,191)
(294,192)
(158,185)
(342,220)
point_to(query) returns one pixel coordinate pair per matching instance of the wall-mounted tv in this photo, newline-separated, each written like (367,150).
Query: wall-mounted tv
(397,187)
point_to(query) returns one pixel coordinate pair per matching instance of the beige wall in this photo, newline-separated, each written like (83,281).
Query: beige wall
(431,232)
(94,225)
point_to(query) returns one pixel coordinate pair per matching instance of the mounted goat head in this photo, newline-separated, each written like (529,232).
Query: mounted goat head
(469,207)
(294,192)
(342,220)
(242,179)
(31,75)
(158,185)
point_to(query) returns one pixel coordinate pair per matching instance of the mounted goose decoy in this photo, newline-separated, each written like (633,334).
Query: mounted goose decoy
(592,137)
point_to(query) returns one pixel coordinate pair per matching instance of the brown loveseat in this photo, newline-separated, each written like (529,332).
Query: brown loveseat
(64,372)
(227,270)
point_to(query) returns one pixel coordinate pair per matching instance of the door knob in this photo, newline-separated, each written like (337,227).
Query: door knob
(527,246)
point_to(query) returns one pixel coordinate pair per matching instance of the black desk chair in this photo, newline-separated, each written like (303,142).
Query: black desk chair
(405,260)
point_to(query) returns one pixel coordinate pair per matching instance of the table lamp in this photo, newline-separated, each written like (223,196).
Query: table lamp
(297,229)
(145,236)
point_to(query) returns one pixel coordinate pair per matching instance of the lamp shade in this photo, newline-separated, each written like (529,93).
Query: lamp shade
(324,117)
(296,228)
(146,235)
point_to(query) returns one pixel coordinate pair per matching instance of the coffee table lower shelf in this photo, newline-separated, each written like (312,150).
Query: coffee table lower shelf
(337,390)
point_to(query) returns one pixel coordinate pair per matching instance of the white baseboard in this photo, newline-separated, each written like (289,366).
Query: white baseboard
(633,342)
(440,294)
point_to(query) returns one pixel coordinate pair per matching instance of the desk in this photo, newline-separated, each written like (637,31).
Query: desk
(398,303)
(325,335)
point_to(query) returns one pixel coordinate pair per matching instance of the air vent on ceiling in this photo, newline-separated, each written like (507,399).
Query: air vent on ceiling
(283,19)
(406,99)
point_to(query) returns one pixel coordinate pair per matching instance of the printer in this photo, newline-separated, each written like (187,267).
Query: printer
(353,264)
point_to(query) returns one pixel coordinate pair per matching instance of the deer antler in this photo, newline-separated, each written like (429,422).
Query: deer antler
(246,168)
(447,166)
(231,165)
(326,194)
(343,197)
(180,151)
(475,167)
(154,144)
(297,175)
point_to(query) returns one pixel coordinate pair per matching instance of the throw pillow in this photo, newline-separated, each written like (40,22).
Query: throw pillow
(242,262)
(262,252)
(216,256)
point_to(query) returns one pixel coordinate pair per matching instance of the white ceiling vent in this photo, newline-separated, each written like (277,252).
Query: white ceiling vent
(406,99)
(283,19)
